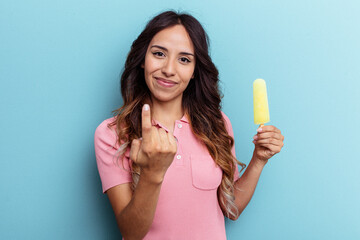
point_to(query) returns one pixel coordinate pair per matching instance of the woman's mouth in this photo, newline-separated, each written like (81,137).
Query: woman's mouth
(165,83)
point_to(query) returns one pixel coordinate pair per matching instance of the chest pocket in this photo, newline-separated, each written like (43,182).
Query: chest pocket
(206,175)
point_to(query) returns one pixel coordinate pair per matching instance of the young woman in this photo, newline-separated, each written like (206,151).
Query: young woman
(167,158)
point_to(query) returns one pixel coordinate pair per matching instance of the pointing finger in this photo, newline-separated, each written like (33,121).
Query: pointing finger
(146,122)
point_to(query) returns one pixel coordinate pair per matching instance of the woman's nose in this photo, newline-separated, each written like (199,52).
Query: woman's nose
(168,68)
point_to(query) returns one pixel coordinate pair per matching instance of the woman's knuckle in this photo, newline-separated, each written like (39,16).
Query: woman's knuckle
(173,149)
(146,148)
(158,148)
(147,128)
(166,148)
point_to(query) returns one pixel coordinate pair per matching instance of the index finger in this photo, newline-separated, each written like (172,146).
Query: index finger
(146,122)
(270,128)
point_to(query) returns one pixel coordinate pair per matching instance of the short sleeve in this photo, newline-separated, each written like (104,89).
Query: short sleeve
(231,133)
(111,170)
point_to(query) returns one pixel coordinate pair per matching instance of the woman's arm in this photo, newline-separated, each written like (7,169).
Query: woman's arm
(134,212)
(268,141)
(154,154)
(245,186)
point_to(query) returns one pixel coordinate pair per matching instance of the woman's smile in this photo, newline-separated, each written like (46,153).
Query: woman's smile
(165,82)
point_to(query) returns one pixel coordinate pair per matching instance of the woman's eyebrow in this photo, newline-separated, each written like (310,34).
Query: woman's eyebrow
(165,49)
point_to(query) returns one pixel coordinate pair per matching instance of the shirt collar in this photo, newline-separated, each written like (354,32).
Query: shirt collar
(184,119)
(156,123)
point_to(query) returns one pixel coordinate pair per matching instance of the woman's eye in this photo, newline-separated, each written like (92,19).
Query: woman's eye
(185,60)
(159,54)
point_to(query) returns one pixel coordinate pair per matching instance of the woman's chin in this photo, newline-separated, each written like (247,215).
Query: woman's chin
(163,98)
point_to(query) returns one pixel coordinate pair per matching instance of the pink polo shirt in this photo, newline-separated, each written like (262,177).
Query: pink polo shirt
(188,206)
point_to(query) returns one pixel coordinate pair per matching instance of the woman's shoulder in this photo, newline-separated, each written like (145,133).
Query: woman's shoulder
(226,118)
(105,131)
(227,123)
(105,122)
(104,125)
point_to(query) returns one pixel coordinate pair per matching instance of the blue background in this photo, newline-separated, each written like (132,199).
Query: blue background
(59,68)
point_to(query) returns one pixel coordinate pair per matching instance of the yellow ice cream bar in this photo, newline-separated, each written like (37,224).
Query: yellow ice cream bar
(261,106)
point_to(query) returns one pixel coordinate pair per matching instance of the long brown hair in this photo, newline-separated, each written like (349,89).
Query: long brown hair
(205,115)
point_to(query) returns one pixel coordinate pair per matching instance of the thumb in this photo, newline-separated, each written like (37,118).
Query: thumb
(134,150)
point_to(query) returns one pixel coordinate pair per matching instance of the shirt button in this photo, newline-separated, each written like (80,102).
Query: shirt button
(178,156)
(179,125)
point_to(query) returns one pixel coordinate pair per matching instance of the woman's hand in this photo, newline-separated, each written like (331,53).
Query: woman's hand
(268,141)
(155,151)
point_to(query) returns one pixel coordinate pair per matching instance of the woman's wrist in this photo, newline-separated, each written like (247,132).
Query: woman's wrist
(151,177)
(259,163)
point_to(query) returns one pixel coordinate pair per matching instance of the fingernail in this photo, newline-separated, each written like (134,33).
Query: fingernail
(255,137)
(146,107)
(259,129)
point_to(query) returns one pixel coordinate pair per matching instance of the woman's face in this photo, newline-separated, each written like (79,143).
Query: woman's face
(169,64)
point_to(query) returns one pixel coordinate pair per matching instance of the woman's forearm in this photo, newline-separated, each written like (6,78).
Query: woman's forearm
(135,220)
(245,186)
